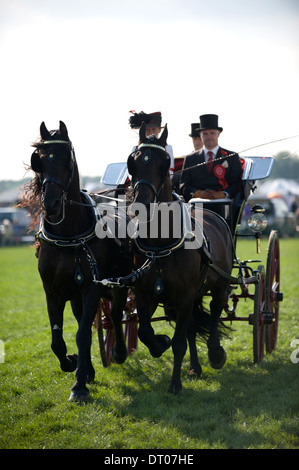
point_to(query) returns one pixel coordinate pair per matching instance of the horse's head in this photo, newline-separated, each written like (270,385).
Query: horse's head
(149,166)
(54,162)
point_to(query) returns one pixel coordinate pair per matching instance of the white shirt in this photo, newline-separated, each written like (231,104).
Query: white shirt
(214,150)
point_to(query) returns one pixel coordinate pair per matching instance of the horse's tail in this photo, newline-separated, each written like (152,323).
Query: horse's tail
(201,322)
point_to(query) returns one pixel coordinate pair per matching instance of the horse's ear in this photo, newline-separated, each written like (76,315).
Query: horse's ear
(165,166)
(44,133)
(142,134)
(131,164)
(35,162)
(63,130)
(163,138)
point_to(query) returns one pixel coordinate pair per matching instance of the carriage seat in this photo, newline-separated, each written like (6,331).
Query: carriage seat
(223,207)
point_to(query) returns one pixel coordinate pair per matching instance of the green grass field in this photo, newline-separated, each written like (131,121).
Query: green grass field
(242,406)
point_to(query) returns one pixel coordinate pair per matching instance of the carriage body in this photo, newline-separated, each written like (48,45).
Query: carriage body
(260,285)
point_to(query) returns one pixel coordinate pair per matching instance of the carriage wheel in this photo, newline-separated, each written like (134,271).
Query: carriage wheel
(131,325)
(258,317)
(104,321)
(273,296)
(107,341)
(99,328)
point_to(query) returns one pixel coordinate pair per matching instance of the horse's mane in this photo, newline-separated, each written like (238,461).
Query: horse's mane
(31,199)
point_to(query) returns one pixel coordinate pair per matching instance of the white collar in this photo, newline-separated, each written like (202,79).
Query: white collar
(214,150)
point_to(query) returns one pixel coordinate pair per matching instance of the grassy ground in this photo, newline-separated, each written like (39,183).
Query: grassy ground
(241,406)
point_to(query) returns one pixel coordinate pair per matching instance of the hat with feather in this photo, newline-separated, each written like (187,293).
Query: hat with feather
(150,120)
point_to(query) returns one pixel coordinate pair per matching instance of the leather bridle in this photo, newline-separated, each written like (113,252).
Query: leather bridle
(146,159)
(63,186)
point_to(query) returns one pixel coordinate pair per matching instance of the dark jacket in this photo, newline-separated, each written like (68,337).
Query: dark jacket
(225,176)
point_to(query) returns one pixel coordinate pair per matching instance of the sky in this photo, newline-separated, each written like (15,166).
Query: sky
(89,62)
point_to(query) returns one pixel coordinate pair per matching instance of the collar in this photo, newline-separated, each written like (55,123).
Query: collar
(46,237)
(214,150)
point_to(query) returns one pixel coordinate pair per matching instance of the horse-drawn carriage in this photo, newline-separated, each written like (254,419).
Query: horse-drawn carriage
(259,284)
(101,278)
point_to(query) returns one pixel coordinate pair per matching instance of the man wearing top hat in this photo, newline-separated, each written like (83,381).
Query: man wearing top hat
(217,171)
(195,135)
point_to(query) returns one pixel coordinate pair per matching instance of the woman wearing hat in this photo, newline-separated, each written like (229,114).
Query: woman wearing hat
(152,127)
(217,171)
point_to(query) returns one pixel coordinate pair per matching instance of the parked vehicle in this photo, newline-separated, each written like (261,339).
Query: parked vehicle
(14,226)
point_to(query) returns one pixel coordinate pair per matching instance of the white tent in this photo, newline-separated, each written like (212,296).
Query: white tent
(284,187)
(9,197)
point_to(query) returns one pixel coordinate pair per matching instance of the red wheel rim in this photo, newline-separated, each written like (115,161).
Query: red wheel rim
(272,290)
(258,322)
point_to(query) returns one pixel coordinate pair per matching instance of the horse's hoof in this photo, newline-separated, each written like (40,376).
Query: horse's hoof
(119,355)
(79,396)
(163,342)
(174,388)
(70,364)
(217,357)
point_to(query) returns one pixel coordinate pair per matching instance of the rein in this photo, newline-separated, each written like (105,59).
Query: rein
(63,201)
(148,183)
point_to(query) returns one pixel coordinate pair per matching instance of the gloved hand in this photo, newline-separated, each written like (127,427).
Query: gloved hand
(209,194)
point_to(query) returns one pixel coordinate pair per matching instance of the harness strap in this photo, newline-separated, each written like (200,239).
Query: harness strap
(127,281)
(156,252)
(92,261)
(77,242)
(234,280)
(45,237)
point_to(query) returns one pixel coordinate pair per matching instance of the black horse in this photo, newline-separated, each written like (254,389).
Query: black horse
(179,276)
(71,258)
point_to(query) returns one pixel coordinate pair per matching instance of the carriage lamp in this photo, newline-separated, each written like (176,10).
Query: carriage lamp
(257,222)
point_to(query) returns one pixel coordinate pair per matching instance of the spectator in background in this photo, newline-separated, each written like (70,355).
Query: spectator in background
(6,233)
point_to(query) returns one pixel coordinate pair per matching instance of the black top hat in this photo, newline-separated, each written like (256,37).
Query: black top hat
(150,120)
(195,130)
(209,121)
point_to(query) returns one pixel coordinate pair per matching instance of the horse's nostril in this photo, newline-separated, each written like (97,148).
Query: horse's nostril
(53,208)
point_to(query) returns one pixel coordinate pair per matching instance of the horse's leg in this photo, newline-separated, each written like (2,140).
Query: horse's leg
(217,355)
(79,390)
(156,344)
(179,347)
(119,351)
(68,362)
(77,307)
(195,369)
